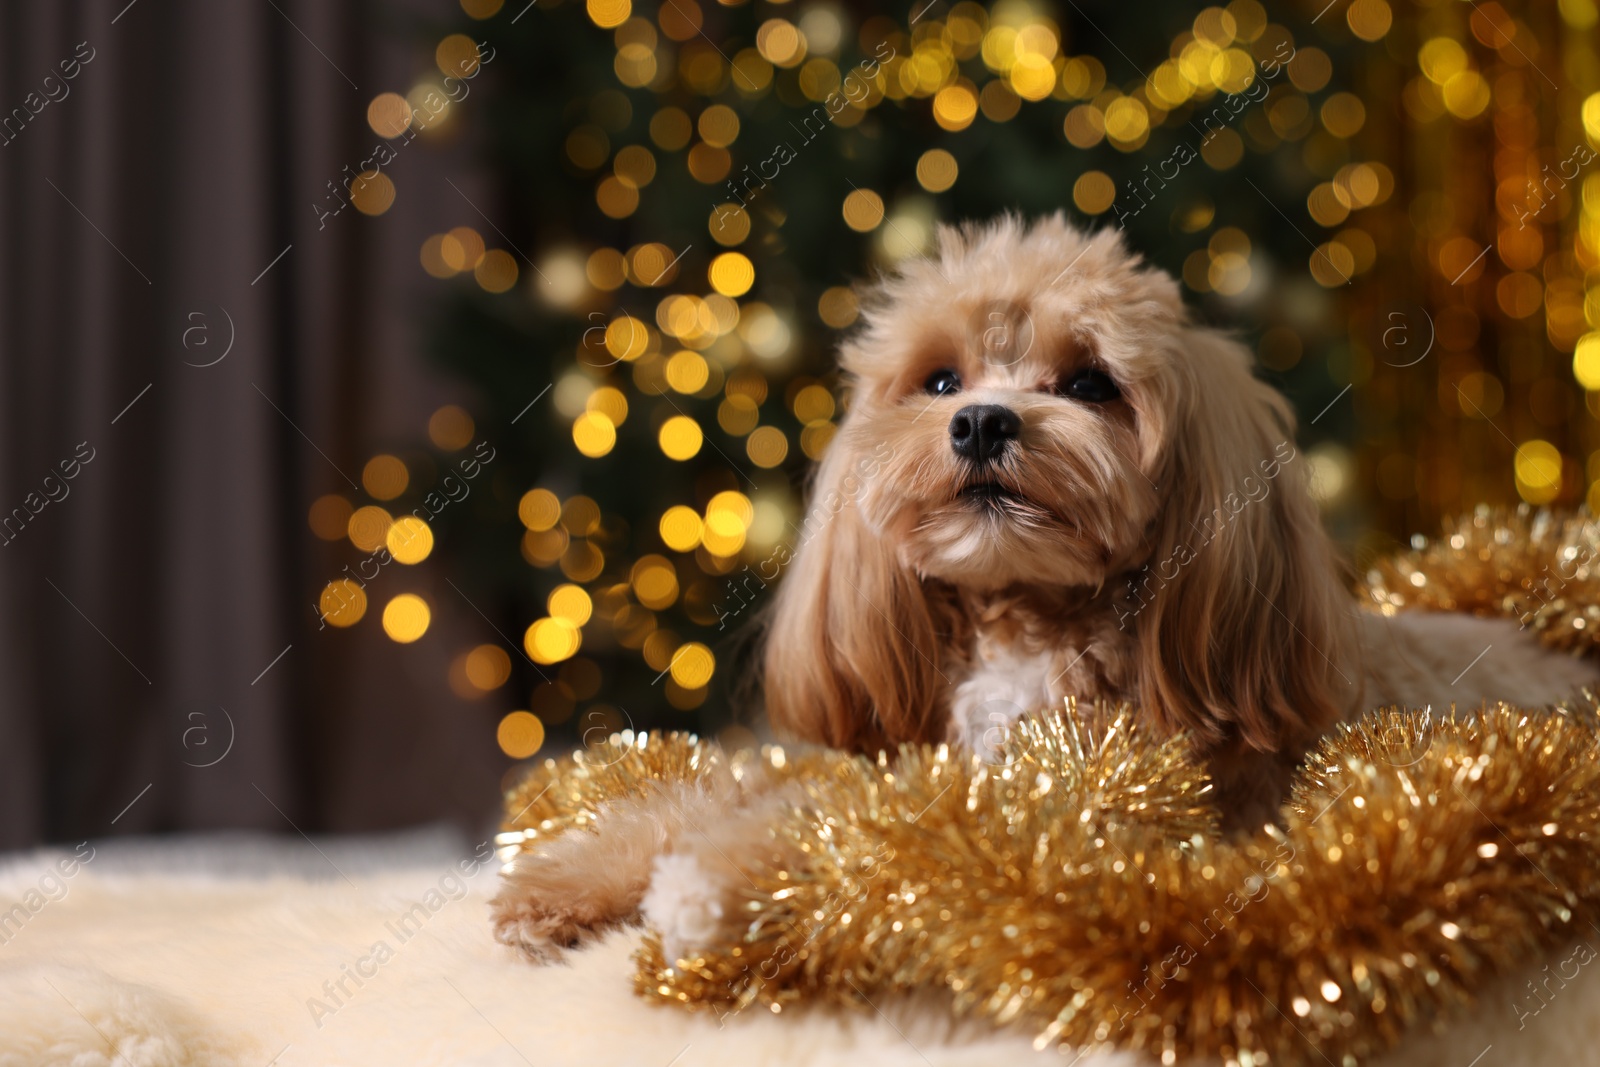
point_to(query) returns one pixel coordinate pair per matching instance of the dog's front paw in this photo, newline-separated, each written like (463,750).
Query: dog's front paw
(541,935)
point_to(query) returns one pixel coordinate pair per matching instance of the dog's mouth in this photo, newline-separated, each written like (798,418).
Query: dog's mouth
(993,495)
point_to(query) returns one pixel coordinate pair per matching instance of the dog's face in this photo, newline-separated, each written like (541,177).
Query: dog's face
(1017,391)
(1032,405)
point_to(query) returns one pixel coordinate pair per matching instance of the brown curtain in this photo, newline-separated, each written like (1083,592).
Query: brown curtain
(158,206)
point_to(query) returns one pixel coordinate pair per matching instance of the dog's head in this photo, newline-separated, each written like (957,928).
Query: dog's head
(1033,406)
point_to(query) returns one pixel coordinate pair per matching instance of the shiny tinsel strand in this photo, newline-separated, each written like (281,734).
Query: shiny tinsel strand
(1538,566)
(1408,876)
(561,795)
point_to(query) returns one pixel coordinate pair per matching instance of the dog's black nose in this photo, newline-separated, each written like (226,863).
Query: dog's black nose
(980,431)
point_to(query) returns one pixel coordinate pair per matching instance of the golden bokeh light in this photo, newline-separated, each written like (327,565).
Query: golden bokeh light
(482,9)
(838,306)
(389,115)
(729,224)
(718,125)
(343,602)
(461,248)
(539,509)
(688,372)
(406,618)
(1538,472)
(451,428)
(813,404)
(954,107)
(571,603)
(610,402)
(372,192)
(330,517)
(496,272)
(863,210)
(520,734)
(738,415)
(594,434)
(608,14)
(635,166)
(385,477)
(457,56)
(680,528)
(780,43)
(767,447)
(937,170)
(680,437)
(552,640)
(409,539)
(671,128)
(655,582)
(488,667)
(581,516)
(1585,361)
(1094,192)
(693,665)
(616,198)
(732,274)
(368,527)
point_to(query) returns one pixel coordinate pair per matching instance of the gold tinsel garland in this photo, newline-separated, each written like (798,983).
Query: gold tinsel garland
(1541,567)
(1077,887)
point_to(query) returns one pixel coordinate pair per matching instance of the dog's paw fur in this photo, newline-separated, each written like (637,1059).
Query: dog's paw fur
(583,882)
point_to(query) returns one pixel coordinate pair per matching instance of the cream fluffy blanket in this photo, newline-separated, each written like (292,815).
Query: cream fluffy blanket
(250,952)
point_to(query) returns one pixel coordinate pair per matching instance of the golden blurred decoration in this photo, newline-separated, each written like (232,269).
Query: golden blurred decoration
(482,9)
(539,509)
(1093,192)
(552,640)
(609,13)
(372,192)
(571,603)
(594,434)
(409,540)
(520,734)
(838,306)
(496,272)
(451,428)
(732,274)
(767,446)
(1061,887)
(368,527)
(488,667)
(937,170)
(461,248)
(343,602)
(385,477)
(692,665)
(389,115)
(457,56)
(406,618)
(680,437)
(1474,366)
(680,528)
(863,210)
(330,517)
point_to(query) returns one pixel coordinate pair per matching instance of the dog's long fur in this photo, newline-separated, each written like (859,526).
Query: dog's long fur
(1159,547)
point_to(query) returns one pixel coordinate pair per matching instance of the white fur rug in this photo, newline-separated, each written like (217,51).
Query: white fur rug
(182,952)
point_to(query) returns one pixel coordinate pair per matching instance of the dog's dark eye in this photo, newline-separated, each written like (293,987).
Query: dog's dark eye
(1091,386)
(942,383)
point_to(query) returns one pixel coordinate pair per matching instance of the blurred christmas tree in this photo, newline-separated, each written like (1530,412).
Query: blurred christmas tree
(695,190)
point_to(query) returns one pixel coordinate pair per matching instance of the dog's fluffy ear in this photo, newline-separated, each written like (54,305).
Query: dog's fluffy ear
(851,649)
(1242,632)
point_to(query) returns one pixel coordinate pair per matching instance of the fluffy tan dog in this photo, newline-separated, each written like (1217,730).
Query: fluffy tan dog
(1051,482)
